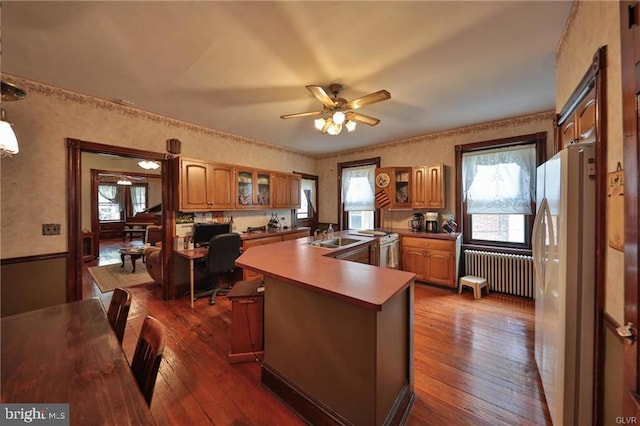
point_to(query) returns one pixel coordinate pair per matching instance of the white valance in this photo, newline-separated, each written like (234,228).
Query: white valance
(500,180)
(357,188)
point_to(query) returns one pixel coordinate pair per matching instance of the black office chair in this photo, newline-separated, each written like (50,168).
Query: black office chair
(224,249)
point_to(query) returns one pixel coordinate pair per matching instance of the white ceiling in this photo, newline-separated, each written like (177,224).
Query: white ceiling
(237,66)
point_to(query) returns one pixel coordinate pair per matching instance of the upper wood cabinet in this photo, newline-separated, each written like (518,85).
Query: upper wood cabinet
(396,182)
(286,192)
(427,187)
(253,189)
(580,126)
(203,186)
(412,187)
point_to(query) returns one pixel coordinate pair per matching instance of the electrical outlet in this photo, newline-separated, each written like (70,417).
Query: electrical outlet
(51,229)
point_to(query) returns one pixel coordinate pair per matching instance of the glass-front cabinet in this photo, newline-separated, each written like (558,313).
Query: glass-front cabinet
(253,189)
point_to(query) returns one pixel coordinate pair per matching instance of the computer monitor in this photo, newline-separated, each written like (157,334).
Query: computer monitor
(203,232)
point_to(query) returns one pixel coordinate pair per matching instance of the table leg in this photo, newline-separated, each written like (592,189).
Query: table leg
(133,263)
(122,258)
(191,279)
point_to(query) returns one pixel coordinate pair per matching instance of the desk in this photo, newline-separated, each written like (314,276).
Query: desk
(69,354)
(191,256)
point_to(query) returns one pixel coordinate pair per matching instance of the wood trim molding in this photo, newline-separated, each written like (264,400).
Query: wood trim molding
(35,258)
(316,413)
(75,147)
(595,76)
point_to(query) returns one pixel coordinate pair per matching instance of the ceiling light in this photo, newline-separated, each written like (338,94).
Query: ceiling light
(319,123)
(149,165)
(350,125)
(124,181)
(338,117)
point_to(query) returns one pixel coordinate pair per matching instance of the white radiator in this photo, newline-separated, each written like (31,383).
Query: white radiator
(505,273)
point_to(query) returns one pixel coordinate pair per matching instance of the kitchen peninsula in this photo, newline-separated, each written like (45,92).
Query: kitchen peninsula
(338,344)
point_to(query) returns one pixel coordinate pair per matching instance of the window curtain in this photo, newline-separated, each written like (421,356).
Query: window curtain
(138,198)
(110,193)
(500,180)
(357,188)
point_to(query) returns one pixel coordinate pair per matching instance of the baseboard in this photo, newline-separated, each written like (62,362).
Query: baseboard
(316,413)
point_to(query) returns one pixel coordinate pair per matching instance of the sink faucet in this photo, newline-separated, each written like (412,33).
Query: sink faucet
(318,236)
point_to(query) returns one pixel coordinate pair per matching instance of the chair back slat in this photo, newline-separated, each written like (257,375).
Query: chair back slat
(118,312)
(148,356)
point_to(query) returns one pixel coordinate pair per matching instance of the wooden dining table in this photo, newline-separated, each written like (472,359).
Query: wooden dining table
(69,354)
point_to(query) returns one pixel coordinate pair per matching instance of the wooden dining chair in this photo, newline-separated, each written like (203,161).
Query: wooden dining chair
(148,355)
(118,311)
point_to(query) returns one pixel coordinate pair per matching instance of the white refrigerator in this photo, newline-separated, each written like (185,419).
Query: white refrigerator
(563,247)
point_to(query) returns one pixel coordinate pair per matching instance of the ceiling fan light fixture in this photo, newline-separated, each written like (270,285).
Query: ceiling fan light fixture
(149,165)
(319,123)
(338,117)
(335,129)
(350,125)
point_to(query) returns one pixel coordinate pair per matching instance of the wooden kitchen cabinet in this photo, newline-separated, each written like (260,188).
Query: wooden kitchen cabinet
(253,190)
(203,186)
(396,182)
(286,194)
(432,260)
(427,187)
(295,235)
(366,254)
(247,244)
(581,125)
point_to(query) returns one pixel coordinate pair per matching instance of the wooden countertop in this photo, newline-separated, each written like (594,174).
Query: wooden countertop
(297,263)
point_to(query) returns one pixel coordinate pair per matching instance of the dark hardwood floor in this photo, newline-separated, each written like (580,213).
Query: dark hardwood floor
(474,362)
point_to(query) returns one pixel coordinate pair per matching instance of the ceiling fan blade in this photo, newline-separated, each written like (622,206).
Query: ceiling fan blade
(302,114)
(321,95)
(380,95)
(361,118)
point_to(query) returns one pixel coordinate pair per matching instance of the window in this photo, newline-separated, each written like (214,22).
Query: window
(497,194)
(138,198)
(109,202)
(357,194)
(115,202)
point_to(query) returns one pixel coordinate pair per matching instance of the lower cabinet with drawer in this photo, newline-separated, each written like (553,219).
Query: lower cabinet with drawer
(432,260)
(254,242)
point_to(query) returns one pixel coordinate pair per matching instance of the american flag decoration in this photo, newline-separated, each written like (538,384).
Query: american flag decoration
(382,199)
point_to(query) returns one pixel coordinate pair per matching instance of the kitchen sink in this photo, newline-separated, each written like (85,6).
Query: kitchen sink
(334,242)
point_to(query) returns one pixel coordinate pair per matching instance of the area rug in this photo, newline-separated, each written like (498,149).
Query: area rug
(109,277)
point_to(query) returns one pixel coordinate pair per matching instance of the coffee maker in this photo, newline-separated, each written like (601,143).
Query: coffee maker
(431,222)
(415,224)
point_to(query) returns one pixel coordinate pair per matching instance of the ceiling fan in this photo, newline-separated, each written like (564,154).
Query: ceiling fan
(338,112)
(121,178)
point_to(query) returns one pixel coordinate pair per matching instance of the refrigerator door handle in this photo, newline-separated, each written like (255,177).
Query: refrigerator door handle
(537,241)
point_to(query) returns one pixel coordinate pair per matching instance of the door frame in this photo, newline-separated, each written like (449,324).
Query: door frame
(75,148)
(630,70)
(314,221)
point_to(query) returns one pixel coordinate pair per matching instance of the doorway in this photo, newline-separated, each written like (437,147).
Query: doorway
(75,241)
